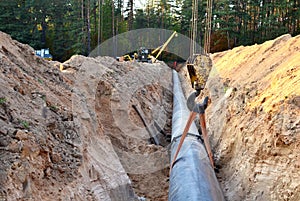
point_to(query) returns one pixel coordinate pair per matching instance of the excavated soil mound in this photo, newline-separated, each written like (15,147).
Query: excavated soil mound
(38,136)
(79,134)
(255,121)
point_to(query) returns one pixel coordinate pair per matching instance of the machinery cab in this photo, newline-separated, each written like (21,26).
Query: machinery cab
(143,55)
(44,53)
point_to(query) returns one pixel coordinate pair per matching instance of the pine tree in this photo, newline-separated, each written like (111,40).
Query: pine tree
(186,17)
(225,21)
(17,19)
(140,19)
(130,15)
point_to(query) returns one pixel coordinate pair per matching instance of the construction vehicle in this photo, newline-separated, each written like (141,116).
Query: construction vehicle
(163,47)
(126,57)
(44,53)
(144,55)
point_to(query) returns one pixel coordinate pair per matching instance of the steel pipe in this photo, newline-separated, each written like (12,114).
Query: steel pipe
(192,177)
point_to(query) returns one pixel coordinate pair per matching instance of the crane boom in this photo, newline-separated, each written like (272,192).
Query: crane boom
(165,45)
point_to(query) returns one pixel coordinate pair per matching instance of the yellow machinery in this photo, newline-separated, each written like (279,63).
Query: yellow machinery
(143,54)
(126,57)
(163,47)
(199,67)
(192,73)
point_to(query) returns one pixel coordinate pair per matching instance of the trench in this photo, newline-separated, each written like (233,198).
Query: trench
(145,106)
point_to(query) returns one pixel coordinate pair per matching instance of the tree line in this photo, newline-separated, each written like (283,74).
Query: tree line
(78,26)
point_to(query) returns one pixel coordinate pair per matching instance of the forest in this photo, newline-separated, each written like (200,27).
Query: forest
(78,26)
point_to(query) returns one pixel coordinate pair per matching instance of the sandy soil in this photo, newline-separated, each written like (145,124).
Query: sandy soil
(73,135)
(254,119)
(76,135)
(257,144)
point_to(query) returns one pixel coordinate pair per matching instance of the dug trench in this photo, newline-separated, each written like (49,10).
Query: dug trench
(144,154)
(66,137)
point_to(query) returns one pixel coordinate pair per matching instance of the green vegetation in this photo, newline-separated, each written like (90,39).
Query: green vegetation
(53,108)
(40,81)
(77,27)
(2,100)
(44,97)
(225,89)
(25,124)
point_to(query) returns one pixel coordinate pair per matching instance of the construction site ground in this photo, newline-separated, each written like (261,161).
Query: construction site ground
(76,131)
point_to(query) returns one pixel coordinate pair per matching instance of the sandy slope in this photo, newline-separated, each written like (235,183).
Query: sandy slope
(73,135)
(257,139)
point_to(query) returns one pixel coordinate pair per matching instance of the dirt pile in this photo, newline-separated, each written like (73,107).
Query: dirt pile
(38,135)
(75,135)
(125,95)
(254,120)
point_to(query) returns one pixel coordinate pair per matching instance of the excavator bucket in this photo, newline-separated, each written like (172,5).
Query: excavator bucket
(199,68)
(192,74)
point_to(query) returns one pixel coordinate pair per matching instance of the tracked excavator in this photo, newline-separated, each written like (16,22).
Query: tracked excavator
(144,55)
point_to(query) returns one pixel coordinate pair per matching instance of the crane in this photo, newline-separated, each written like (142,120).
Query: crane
(199,65)
(144,55)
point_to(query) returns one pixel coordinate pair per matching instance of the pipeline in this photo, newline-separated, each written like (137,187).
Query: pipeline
(192,177)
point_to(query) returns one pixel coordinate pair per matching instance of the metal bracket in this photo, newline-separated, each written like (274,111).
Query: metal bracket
(197,107)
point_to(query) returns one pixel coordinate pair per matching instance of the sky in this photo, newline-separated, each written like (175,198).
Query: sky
(137,3)
(140,3)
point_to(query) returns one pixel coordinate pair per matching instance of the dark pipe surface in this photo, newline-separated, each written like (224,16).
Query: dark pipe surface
(192,177)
